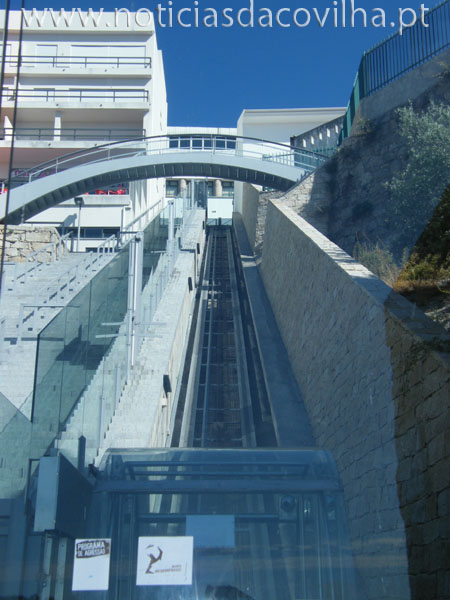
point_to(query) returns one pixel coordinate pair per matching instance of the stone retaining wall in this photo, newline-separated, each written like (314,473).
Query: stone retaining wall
(254,210)
(22,240)
(376,389)
(346,198)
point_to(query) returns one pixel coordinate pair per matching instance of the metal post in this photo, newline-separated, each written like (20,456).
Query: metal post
(61,568)
(186,212)
(16,272)
(131,261)
(26,269)
(171,221)
(101,418)
(79,202)
(139,266)
(46,580)
(170,239)
(2,337)
(134,297)
(35,317)
(20,324)
(81,454)
(116,386)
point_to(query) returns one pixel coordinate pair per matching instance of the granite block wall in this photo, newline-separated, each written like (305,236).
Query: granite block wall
(25,239)
(374,376)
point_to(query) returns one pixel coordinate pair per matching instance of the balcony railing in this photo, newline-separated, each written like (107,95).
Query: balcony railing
(78,95)
(70,134)
(62,62)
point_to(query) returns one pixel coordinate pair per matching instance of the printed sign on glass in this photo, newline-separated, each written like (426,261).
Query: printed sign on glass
(165,560)
(91,564)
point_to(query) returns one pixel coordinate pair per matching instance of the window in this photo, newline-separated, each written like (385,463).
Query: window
(171,188)
(228,189)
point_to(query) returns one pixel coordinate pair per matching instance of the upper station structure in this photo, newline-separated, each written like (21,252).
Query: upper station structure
(89,85)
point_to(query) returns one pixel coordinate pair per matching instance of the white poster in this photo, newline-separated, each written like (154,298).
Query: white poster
(165,560)
(91,565)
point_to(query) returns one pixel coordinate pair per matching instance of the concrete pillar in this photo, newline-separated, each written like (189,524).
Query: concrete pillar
(57,126)
(182,185)
(217,188)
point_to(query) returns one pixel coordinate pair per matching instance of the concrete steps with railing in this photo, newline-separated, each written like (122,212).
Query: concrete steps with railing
(143,413)
(101,401)
(28,303)
(97,403)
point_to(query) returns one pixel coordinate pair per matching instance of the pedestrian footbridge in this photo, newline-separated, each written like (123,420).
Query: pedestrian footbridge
(249,160)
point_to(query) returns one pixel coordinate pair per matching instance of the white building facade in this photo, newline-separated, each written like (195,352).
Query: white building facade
(78,87)
(279,125)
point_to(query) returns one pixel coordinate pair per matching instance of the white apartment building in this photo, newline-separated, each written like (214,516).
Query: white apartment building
(78,87)
(279,125)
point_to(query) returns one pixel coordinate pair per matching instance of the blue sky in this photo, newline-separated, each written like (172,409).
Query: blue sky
(212,74)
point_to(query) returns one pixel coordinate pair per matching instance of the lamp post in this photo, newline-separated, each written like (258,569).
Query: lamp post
(79,202)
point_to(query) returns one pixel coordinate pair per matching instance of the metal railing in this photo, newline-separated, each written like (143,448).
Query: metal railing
(396,56)
(2,338)
(70,134)
(53,295)
(239,146)
(78,95)
(80,61)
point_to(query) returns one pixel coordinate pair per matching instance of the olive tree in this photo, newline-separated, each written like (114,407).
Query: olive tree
(416,191)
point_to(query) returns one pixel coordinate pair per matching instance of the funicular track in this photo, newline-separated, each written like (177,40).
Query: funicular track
(266,522)
(227,403)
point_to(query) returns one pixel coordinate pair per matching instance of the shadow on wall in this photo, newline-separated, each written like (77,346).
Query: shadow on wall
(421,392)
(375,381)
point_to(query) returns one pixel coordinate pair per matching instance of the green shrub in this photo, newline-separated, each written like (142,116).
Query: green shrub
(378,260)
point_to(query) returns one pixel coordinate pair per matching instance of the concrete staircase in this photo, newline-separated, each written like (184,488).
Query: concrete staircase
(28,303)
(103,397)
(51,286)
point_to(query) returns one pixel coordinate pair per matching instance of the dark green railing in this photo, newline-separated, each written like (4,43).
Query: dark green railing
(396,56)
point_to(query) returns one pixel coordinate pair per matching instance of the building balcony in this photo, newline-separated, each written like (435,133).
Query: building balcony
(68,134)
(80,65)
(82,98)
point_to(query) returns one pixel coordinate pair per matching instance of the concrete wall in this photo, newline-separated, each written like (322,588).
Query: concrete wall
(323,138)
(254,210)
(377,394)
(280,124)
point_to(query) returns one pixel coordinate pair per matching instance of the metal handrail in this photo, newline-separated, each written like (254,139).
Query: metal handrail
(55,249)
(2,337)
(84,61)
(397,55)
(45,295)
(241,146)
(70,133)
(47,94)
